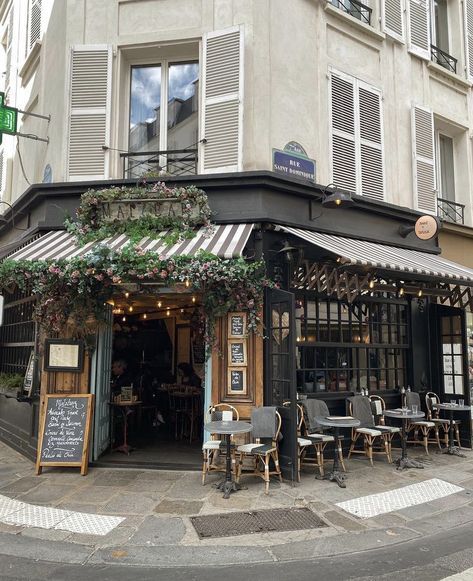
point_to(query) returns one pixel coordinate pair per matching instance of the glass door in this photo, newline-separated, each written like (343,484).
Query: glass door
(280,373)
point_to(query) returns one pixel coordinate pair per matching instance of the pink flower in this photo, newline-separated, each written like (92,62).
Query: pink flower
(115,279)
(163,274)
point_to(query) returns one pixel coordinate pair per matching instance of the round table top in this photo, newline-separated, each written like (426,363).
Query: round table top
(223,427)
(409,414)
(452,407)
(337,422)
(125,403)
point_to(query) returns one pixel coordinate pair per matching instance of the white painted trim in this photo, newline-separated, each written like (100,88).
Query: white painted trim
(388,31)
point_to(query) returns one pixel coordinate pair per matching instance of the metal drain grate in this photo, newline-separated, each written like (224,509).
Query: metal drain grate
(260,521)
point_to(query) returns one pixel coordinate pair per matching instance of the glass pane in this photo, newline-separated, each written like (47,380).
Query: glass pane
(145,104)
(183,128)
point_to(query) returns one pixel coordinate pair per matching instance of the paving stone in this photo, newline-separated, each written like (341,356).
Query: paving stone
(45,534)
(318,506)
(93,494)
(45,493)
(76,507)
(10,528)
(116,478)
(123,504)
(342,521)
(118,536)
(21,485)
(179,507)
(189,488)
(449,519)
(159,531)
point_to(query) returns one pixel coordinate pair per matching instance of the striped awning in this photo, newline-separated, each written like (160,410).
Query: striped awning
(389,258)
(225,241)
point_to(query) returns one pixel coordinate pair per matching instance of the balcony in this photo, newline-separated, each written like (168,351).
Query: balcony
(355,9)
(171,162)
(443,59)
(450,211)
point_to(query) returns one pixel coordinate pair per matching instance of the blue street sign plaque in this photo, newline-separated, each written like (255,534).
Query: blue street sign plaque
(293,165)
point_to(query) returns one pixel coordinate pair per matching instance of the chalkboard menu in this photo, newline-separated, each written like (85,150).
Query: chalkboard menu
(198,352)
(237,352)
(236,325)
(237,380)
(64,431)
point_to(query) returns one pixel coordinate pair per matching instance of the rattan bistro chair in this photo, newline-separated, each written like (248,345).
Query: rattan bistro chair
(378,405)
(211,448)
(376,438)
(313,433)
(433,415)
(416,426)
(266,423)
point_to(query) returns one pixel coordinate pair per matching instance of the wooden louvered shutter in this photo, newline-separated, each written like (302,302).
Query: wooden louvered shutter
(418,26)
(2,172)
(393,18)
(8,65)
(342,121)
(89,120)
(468,19)
(222,110)
(425,194)
(34,23)
(371,142)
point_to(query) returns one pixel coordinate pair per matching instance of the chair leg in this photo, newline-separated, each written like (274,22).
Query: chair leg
(354,438)
(266,474)
(320,460)
(425,440)
(386,449)
(276,464)
(457,434)
(204,468)
(369,443)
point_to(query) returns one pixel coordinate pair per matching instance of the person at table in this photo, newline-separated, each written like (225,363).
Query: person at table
(120,376)
(187,375)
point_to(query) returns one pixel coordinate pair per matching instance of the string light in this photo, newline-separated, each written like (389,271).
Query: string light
(419,294)
(127,294)
(182,310)
(193,299)
(160,304)
(130,309)
(168,312)
(124,319)
(145,316)
(401,291)
(187,283)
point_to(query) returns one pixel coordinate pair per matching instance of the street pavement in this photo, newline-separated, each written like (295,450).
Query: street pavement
(157,532)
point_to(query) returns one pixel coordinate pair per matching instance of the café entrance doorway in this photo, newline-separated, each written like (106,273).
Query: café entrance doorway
(150,394)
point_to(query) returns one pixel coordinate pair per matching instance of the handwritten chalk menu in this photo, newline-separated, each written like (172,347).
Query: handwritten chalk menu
(236,325)
(64,431)
(237,380)
(237,352)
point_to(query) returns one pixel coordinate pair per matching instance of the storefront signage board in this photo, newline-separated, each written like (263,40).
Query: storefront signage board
(236,325)
(64,432)
(426,227)
(237,380)
(122,210)
(237,352)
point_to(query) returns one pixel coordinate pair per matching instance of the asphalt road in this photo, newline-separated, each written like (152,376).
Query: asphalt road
(428,559)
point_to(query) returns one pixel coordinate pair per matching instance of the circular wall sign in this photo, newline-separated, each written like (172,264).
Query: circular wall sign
(426,227)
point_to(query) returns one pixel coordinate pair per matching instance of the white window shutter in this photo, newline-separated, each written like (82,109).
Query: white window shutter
(425,194)
(342,123)
(89,113)
(9,64)
(468,19)
(393,18)
(34,23)
(418,27)
(2,172)
(371,142)
(222,101)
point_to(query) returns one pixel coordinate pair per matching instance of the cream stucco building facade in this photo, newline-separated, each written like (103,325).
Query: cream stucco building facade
(357,86)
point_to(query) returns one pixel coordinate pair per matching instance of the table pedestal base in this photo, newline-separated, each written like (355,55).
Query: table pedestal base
(124,449)
(334,476)
(403,463)
(454,451)
(227,487)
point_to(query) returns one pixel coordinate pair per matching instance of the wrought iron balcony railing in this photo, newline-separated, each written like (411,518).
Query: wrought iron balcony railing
(355,9)
(451,211)
(171,162)
(443,59)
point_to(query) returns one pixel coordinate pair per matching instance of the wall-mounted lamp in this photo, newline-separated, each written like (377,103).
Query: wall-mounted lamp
(335,198)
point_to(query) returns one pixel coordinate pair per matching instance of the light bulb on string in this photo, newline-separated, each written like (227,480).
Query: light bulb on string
(168,312)
(160,304)
(187,283)
(145,316)
(193,299)
(124,319)
(127,294)
(130,309)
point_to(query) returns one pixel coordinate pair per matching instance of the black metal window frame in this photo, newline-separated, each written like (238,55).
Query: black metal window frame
(343,347)
(356,9)
(443,59)
(17,333)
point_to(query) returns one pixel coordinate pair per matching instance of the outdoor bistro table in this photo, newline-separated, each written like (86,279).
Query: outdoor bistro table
(451,408)
(228,484)
(126,408)
(404,461)
(336,424)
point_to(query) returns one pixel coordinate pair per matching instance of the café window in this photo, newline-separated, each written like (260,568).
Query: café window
(343,347)
(163,116)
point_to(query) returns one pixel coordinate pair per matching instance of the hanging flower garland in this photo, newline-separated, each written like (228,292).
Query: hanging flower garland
(157,208)
(77,289)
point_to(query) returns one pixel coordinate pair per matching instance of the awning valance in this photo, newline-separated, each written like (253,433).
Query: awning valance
(388,258)
(225,241)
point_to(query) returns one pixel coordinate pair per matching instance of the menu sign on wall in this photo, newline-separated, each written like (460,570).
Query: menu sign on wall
(237,362)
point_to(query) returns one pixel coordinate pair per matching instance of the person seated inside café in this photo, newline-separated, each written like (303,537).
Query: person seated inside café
(120,376)
(187,375)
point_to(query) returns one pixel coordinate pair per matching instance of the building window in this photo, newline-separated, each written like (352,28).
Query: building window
(354,8)
(343,347)
(34,24)
(448,207)
(357,152)
(440,49)
(163,117)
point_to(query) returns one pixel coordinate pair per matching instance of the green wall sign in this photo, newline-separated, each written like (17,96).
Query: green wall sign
(8,118)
